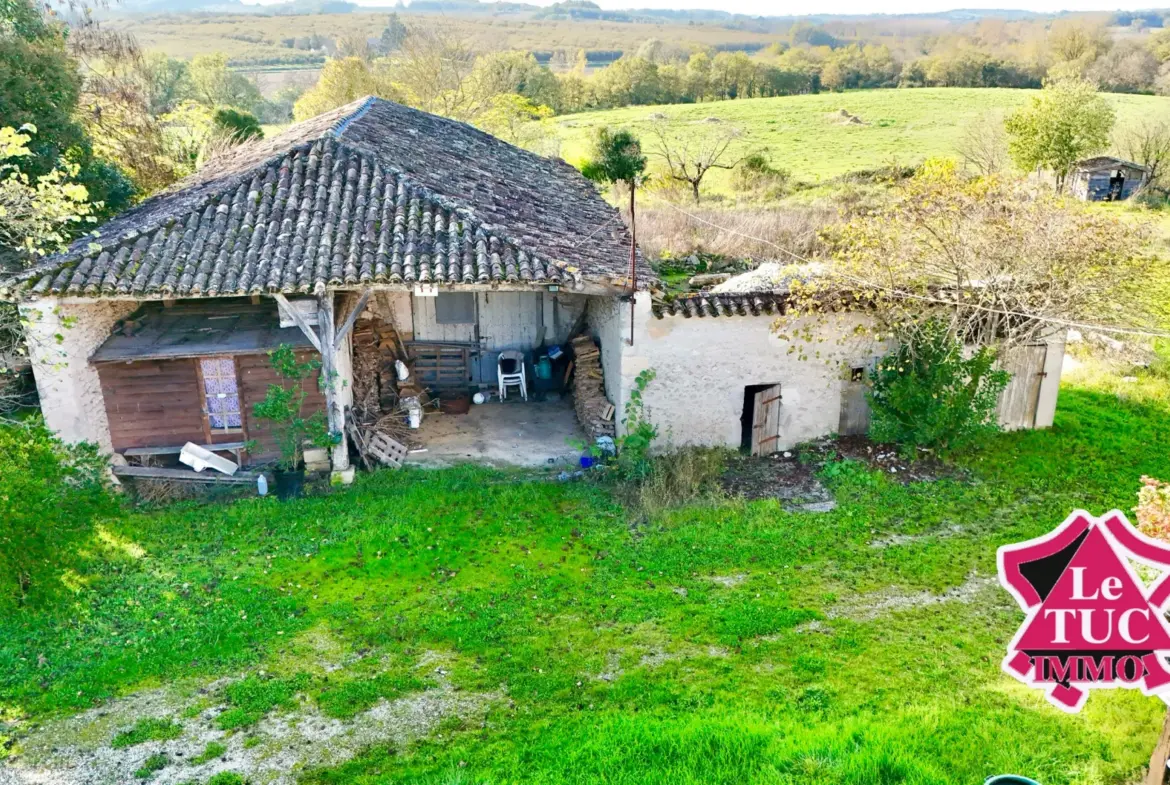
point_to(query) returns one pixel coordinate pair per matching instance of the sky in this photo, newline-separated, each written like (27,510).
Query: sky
(776,8)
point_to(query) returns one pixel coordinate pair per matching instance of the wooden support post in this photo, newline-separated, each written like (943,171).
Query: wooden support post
(283,303)
(347,325)
(334,416)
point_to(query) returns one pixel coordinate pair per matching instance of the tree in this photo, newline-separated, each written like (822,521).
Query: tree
(1068,121)
(515,119)
(343,81)
(431,69)
(237,126)
(1147,142)
(517,73)
(164,80)
(983,145)
(616,157)
(40,85)
(39,214)
(1000,265)
(216,85)
(691,152)
(394,34)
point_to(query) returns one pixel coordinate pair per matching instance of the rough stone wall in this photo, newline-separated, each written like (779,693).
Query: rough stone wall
(702,366)
(604,317)
(61,337)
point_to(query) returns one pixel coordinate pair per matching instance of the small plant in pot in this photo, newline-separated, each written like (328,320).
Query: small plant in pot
(282,409)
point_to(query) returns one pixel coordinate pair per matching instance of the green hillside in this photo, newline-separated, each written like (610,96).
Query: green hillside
(806,135)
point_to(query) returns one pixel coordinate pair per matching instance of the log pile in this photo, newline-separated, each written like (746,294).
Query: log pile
(375,379)
(594,411)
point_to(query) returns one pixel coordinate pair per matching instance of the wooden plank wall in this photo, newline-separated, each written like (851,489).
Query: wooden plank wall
(156,403)
(255,375)
(152,403)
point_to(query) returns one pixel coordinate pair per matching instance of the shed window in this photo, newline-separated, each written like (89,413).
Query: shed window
(221,393)
(455,308)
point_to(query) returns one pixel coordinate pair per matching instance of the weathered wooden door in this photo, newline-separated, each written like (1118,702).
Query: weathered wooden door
(766,421)
(1021,398)
(854,406)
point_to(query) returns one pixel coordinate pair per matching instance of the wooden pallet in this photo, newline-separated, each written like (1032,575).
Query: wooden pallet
(386,450)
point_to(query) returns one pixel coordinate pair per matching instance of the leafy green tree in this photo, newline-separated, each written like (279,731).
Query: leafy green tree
(394,34)
(616,157)
(502,73)
(515,119)
(216,85)
(237,126)
(1068,121)
(40,84)
(342,81)
(38,214)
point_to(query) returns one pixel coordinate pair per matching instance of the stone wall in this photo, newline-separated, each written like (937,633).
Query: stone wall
(61,338)
(604,318)
(702,366)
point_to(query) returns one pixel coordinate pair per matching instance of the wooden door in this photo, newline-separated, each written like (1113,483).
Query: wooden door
(766,421)
(854,420)
(1021,398)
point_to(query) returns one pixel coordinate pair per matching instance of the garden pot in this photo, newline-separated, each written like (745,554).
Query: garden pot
(289,484)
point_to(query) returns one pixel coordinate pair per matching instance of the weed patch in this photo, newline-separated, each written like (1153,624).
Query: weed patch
(254,696)
(147,730)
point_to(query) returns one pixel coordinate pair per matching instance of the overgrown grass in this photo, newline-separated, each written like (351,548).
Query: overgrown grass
(147,729)
(705,644)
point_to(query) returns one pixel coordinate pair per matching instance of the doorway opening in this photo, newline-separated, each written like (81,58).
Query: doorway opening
(760,420)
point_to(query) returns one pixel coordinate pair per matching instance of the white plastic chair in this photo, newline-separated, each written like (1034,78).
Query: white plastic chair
(510,371)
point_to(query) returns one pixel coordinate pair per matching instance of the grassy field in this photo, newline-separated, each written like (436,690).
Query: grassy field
(724,642)
(255,36)
(805,135)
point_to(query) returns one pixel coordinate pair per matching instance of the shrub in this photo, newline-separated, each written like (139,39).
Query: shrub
(237,125)
(227,778)
(212,751)
(156,762)
(50,496)
(148,729)
(927,394)
(1153,509)
(757,173)
(282,407)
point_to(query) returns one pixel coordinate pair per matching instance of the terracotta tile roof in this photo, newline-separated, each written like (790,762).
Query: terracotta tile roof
(705,304)
(374,192)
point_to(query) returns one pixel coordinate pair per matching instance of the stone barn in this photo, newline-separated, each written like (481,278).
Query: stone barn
(412,255)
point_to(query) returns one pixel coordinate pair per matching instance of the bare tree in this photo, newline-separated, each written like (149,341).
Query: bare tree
(1147,143)
(1001,265)
(431,68)
(691,150)
(984,145)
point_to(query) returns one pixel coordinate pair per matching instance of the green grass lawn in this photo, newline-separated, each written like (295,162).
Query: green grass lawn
(802,134)
(621,660)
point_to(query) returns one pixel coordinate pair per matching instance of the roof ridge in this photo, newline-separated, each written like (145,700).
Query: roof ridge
(343,123)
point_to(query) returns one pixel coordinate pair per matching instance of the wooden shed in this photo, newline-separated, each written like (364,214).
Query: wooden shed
(1106,179)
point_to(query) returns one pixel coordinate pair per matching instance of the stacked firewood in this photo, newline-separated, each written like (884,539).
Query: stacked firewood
(594,410)
(375,378)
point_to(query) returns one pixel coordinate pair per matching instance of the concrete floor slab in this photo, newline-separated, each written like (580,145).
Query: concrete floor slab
(507,433)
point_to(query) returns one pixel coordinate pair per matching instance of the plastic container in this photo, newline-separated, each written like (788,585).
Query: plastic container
(543,367)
